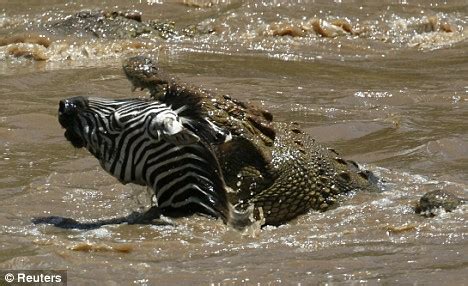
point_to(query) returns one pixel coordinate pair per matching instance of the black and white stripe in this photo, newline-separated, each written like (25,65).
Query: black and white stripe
(149,143)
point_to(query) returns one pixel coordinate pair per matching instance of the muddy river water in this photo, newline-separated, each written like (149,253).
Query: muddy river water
(385,83)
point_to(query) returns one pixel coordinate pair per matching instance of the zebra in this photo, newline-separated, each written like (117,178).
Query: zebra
(150,143)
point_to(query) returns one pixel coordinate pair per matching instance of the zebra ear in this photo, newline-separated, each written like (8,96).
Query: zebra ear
(206,130)
(184,137)
(169,128)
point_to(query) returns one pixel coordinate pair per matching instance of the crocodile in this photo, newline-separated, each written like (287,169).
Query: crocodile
(433,200)
(111,25)
(273,166)
(126,28)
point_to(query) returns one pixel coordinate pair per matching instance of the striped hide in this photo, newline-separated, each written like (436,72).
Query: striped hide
(150,144)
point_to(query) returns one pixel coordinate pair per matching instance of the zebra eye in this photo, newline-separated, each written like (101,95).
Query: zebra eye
(119,119)
(114,122)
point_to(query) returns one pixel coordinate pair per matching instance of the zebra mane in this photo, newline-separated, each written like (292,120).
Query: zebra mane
(144,73)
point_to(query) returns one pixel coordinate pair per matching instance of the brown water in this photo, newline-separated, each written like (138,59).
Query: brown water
(394,96)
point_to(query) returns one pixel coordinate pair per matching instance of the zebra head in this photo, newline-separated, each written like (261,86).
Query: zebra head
(111,129)
(149,143)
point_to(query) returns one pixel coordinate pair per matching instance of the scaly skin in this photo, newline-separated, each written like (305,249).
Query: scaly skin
(433,200)
(112,25)
(272,165)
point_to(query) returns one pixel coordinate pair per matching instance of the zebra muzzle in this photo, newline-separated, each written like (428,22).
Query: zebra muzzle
(68,109)
(67,113)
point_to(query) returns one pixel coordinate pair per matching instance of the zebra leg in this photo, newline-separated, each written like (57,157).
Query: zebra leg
(146,217)
(149,217)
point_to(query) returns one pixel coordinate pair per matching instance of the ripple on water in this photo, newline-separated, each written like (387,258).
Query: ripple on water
(314,35)
(388,91)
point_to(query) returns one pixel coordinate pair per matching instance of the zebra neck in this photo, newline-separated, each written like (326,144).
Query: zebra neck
(187,179)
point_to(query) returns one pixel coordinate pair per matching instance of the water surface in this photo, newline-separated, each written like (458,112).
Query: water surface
(392,94)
